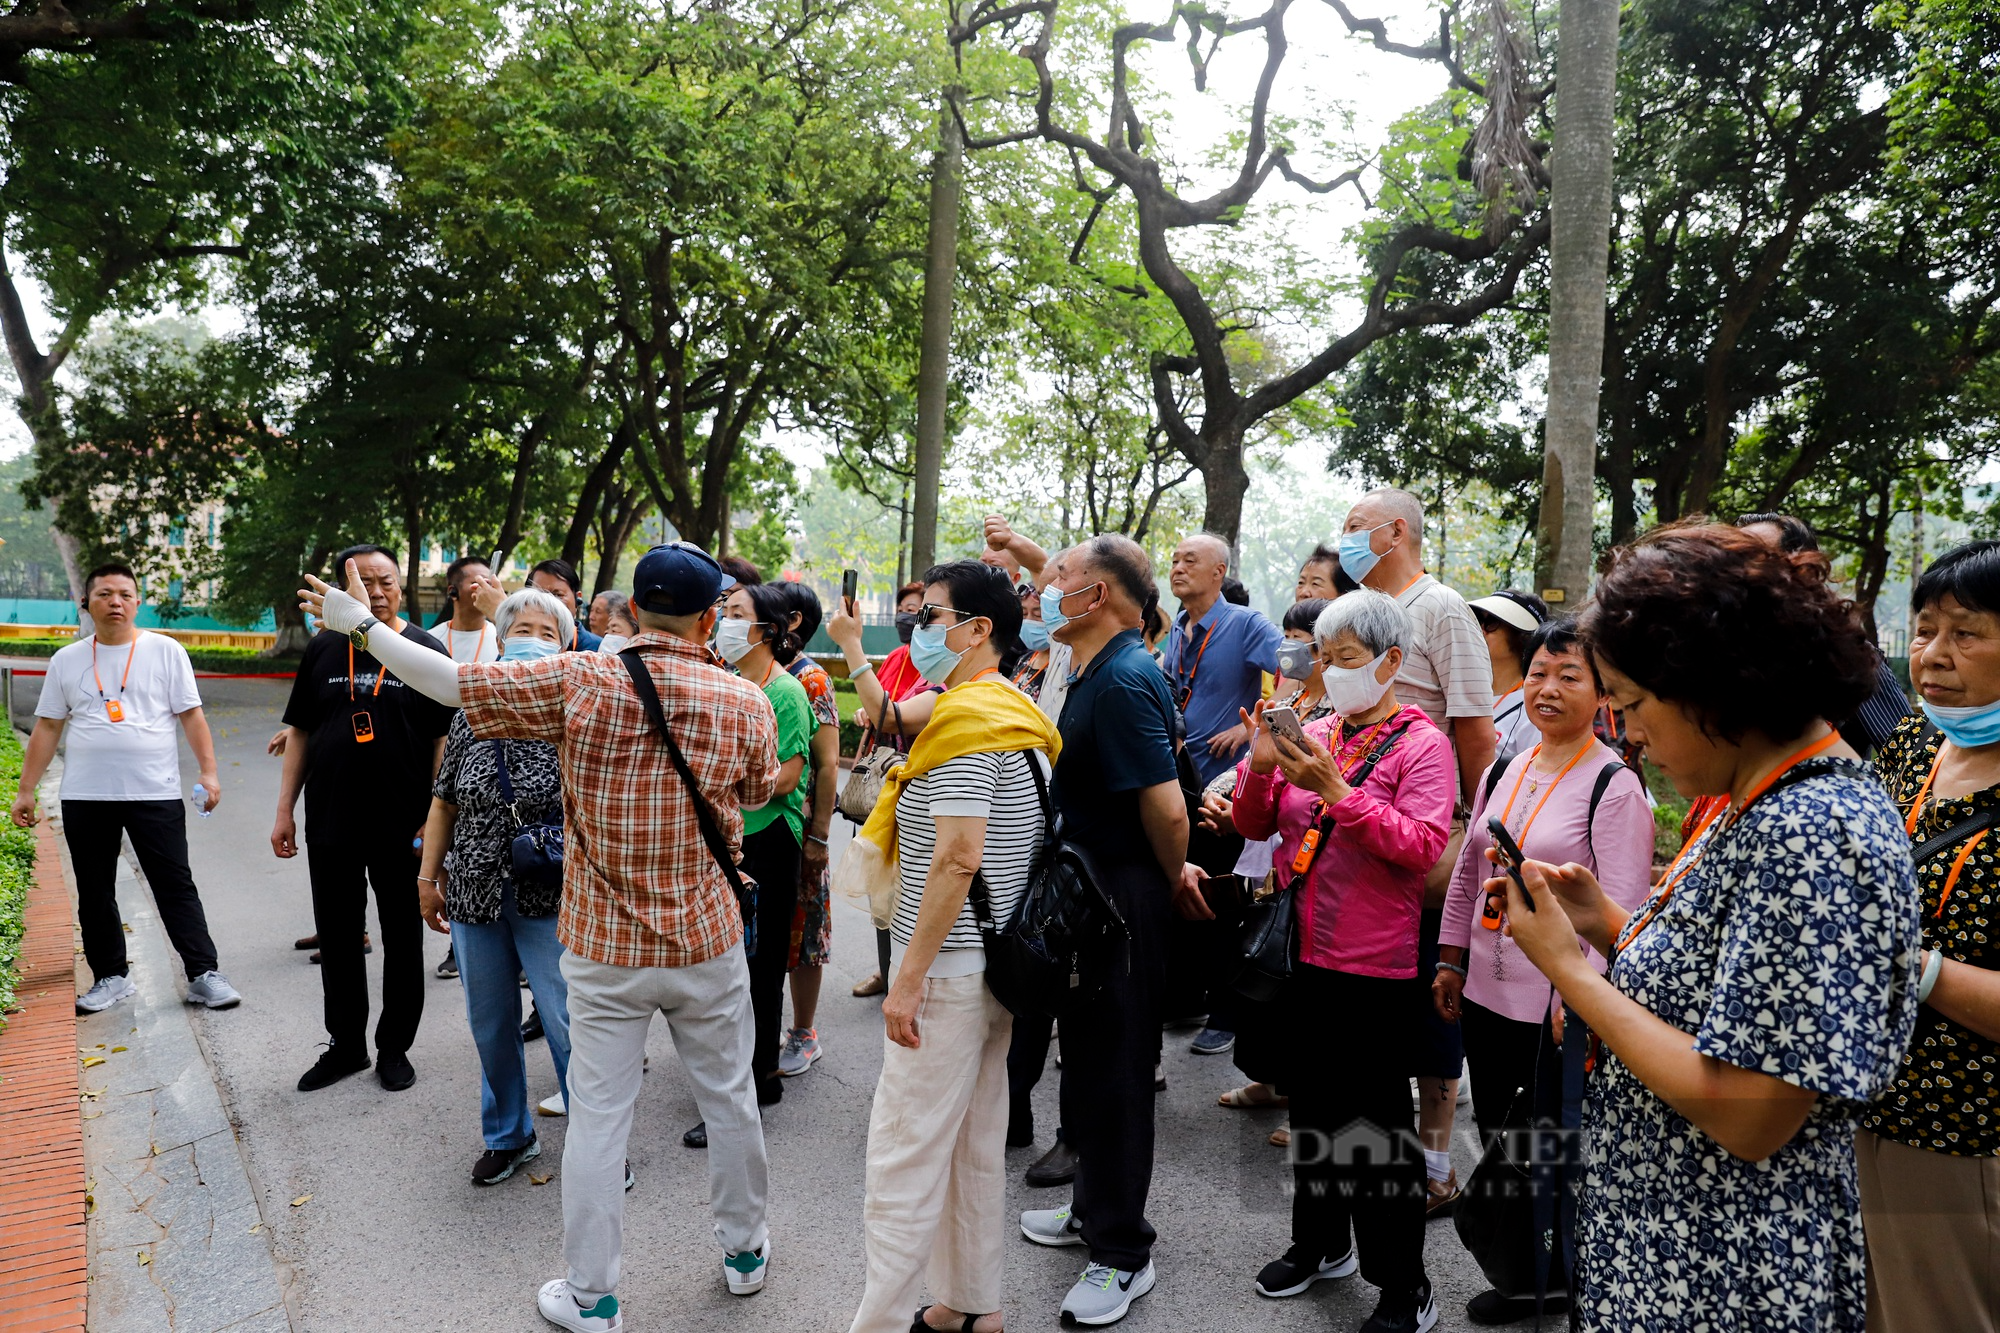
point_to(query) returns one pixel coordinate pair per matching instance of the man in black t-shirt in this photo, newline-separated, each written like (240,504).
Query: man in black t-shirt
(364,748)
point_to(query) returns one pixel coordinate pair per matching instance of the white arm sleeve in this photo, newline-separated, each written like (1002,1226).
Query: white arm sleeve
(418,667)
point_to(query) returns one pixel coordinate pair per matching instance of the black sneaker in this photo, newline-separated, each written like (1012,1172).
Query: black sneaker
(496,1164)
(1055,1167)
(1300,1268)
(394,1069)
(1490,1307)
(448,969)
(1404,1312)
(531,1026)
(334,1064)
(696,1137)
(630,1179)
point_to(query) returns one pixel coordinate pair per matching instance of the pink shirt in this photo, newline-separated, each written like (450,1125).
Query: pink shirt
(1365,895)
(1617,846)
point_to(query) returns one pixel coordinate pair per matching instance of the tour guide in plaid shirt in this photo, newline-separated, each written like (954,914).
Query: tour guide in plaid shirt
(647,918)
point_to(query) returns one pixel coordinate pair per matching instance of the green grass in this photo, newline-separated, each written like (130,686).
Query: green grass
(17,873)
(204,659)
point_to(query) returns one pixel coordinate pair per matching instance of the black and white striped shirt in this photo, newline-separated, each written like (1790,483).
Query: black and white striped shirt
(995,786)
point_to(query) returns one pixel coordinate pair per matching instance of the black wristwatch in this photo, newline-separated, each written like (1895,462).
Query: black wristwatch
(358,636)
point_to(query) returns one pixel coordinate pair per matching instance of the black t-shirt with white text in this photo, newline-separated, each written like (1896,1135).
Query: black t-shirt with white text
(357,788)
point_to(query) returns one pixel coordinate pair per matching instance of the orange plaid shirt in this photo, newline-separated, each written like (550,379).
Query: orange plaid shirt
(639,886)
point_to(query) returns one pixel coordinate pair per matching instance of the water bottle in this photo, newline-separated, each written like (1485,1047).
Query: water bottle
(201,800)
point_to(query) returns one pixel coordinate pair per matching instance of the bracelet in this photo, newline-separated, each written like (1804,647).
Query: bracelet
(1451,967)
(425,879)
(814,837)
(1933,964)
(856,673)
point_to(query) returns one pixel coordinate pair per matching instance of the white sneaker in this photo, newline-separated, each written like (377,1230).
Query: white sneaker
(1052,1226)
(213,989)
(560,1308)
(553,1104)
(1104,1295)
(745,1270)
(104,994)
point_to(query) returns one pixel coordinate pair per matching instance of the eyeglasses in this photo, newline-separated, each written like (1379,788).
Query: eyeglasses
(929,611)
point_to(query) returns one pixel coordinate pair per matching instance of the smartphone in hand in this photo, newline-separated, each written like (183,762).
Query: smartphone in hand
(850,580)
(1284,722)
(1510,858)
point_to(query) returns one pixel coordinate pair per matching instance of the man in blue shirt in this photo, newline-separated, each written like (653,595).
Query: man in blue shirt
(1120,798)
(1215,656)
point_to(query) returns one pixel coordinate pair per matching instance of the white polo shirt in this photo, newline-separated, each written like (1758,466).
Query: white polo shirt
(137,759)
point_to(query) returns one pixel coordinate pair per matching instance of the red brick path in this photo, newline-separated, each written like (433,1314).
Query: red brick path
(43,1264)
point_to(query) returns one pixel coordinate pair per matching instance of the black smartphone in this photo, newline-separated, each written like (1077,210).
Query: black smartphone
(850,580)
(1511,858)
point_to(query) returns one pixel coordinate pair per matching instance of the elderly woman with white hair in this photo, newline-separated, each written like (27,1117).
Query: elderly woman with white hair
(1362,804)
(500,913)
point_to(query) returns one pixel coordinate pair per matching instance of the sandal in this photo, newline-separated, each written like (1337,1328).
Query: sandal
(1281,1137)
(919,1326)
(1245,1100)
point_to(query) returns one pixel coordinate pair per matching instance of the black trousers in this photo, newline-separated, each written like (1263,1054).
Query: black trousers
(1517,1081)
(158,830)
(1357,1167)
(771,857)
(1110,1046)
(343,868)
(1027,1057)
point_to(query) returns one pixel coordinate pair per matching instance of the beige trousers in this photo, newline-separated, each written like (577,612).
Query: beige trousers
(1933,1226)
(937,1161)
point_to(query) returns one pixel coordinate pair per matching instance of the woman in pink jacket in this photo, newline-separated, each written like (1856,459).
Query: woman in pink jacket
(1363,808)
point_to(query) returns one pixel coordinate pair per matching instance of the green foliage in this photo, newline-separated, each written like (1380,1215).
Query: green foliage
(17,876)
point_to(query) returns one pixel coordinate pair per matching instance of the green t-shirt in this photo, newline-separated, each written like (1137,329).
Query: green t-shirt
(795,729)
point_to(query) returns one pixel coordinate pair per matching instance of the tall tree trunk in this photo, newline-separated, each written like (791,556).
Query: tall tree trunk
(36,371)
(601,476)
(1225,481)
(934,355)
(1580,169)
(413,532)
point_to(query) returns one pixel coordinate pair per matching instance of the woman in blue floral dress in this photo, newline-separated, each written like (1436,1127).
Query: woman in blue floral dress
(1764,994)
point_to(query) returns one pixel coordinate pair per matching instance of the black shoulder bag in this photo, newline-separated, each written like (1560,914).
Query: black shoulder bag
(536,853)
(711,831)
(1013,984)
(1270,927)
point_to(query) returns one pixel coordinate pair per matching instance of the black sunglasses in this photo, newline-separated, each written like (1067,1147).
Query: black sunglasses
(928,612)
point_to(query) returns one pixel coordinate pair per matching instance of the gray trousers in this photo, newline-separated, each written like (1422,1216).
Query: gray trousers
(707,1008)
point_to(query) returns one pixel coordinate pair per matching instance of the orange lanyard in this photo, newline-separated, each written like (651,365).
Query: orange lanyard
(1684,864)
(380,671)
(451,641)
(1916,813)
(1309,842)
(1361,746)
(1521,838)
(131,651)
(1187,682)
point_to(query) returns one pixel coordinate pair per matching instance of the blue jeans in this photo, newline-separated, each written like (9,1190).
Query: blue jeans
(490,960)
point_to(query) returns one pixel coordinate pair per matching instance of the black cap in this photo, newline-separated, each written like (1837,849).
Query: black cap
(677,579)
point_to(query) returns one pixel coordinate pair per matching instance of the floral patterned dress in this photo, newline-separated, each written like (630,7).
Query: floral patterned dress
(1789,949)
(812,922)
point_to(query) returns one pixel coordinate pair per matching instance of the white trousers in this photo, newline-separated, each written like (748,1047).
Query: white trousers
(707,1008)
(937,1161)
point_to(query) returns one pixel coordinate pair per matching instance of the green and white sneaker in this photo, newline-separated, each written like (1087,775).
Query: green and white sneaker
(745,1270)
(1052,1226)
(560,1308)
(1104,1295)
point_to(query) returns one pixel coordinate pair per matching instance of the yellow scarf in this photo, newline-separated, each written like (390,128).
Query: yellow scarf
(977,717)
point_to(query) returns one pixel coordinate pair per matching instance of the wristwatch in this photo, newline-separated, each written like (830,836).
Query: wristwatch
(358,636)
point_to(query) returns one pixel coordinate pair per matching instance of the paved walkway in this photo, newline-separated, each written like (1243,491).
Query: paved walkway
(387,1231)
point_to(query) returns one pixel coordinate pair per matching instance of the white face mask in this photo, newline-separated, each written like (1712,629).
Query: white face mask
(732,640)
(1354,690)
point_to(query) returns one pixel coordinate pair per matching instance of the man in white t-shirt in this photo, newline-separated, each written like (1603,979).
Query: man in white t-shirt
(119,694)
(467,634)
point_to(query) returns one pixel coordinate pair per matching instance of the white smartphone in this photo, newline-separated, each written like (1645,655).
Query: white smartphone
(1284,722)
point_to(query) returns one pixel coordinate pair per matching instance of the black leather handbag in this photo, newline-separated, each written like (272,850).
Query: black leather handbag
(536,853)
(1270,927)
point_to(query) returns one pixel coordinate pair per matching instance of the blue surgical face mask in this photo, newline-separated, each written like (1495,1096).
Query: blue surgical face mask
(1967,728)
(1052,612)
(524,649)
(931,655)
(1357,553)
(1034,636)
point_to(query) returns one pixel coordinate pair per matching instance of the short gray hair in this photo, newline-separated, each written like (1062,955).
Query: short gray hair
(534,599)
(1372,617)
(1401,504)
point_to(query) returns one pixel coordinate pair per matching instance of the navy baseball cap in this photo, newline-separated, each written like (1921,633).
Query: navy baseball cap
(677,579)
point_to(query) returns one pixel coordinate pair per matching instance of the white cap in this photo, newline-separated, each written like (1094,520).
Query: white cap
(1506,609)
